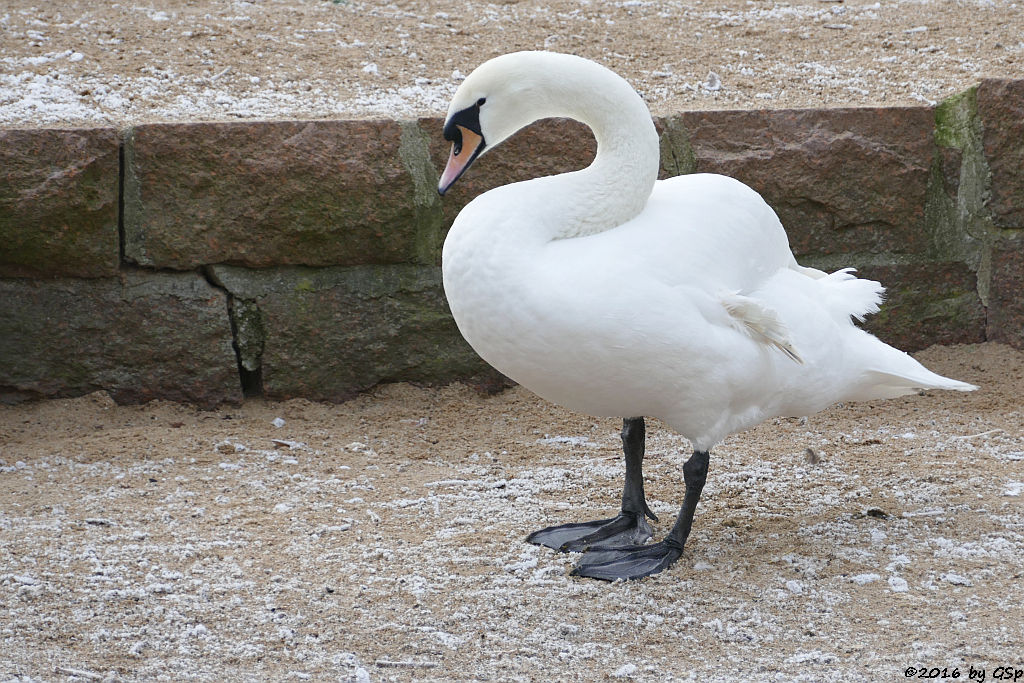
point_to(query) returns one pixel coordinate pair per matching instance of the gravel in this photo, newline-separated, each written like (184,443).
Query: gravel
(81,62)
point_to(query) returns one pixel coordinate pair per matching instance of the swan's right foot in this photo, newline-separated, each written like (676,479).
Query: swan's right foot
(628,528)
(626,564)
(635,562)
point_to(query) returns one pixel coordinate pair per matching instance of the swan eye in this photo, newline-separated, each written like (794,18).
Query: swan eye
(481,101)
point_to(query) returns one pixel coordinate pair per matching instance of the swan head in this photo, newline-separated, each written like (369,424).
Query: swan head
(513,90)
(464,130)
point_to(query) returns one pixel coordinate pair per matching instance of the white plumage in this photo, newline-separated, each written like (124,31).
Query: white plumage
(614,294)
(691,309)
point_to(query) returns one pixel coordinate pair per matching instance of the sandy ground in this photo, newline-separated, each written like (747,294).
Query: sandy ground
(382,539)
(89,62)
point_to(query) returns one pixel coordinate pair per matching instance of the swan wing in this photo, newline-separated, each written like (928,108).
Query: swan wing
(702,230)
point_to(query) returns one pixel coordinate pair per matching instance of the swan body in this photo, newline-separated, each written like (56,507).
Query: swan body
(615,294)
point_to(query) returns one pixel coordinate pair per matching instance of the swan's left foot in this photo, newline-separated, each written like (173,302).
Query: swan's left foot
(630,526)
(630,562)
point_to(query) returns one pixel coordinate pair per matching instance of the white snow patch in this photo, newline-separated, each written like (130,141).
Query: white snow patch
(863,579)
(815,657)
(566,440)
(956,579)
(898,584)
(625,671)
(1014,488)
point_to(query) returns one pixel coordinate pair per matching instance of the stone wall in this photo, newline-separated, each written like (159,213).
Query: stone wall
(204,262)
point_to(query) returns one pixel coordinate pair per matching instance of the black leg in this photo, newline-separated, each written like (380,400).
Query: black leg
(634,436)
(638,561)
(629,527)
(695,473)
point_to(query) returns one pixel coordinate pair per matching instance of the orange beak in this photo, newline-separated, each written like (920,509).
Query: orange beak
(464,151)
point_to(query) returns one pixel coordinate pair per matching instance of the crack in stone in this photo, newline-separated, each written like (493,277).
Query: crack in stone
(248,336)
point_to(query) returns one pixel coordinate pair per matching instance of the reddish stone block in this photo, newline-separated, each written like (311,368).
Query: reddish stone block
(139,336)
(277,193)
(1005,299)
(1001,108)
(59,202)
(329,333)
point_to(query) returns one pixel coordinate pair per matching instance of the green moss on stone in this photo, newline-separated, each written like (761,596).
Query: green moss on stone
(677,155)
(960,226)
(955,119)
(414,151)
(131,196)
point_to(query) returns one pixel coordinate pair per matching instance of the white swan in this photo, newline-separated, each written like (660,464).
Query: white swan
(614,294)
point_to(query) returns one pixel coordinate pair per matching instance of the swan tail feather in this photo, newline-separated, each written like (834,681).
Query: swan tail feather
(760,323)
(895,373)
(846,294)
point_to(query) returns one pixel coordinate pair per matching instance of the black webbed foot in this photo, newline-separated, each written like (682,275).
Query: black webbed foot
(635,562)
(628,528)
(631,562)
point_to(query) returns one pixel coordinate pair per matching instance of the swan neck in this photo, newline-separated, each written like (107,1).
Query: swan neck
(616,186)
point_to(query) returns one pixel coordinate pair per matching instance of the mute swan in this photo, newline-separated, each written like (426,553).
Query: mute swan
(614,294)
